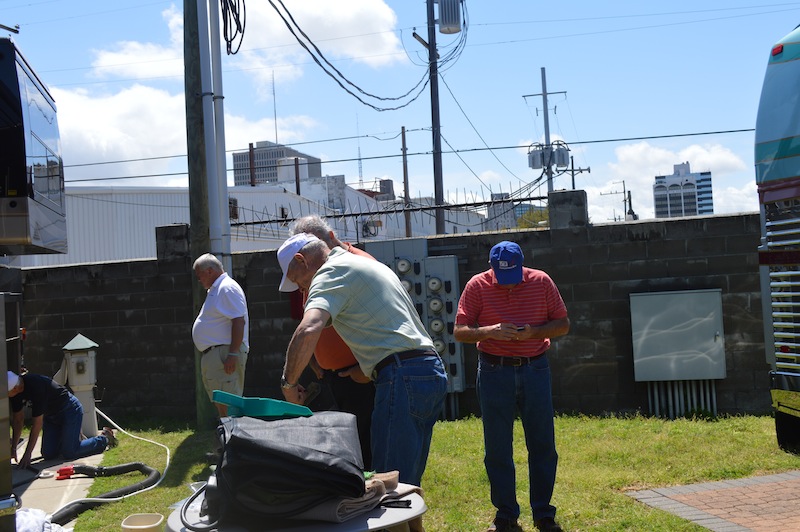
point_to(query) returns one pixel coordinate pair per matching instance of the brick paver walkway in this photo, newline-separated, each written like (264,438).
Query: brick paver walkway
(762,504)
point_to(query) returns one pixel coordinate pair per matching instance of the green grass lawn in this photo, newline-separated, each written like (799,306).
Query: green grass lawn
(600,459)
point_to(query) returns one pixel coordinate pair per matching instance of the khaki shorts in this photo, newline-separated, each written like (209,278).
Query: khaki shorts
(212,369)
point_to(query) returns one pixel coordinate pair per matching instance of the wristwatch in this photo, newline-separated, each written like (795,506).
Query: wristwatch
(286,385)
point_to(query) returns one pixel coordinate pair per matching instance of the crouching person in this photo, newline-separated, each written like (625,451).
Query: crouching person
(56,414)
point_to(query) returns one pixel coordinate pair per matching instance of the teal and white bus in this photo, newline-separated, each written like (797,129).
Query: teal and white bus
(777,163)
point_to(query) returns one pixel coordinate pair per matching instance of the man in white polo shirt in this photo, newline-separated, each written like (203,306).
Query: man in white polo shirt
(220,331)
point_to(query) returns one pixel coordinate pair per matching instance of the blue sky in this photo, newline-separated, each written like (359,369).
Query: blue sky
(643,81)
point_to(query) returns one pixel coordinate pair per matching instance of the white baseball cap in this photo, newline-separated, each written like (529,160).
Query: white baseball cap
(286,253)
(13,380)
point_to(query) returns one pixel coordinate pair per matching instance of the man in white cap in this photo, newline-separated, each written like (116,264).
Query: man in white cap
(512,312)
(367,305)
(56,414)
(332,358)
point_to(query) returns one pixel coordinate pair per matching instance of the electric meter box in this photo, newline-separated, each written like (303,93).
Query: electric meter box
(432,283)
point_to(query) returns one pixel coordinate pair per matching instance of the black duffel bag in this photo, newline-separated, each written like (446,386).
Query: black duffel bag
(280,468)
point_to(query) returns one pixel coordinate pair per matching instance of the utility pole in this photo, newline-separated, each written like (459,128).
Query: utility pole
(630,214)
(625,197)
(360,169)
(199,241)
(406,197)
(548,149)
(251,159)
(573,170)
(214,132)
(433,69)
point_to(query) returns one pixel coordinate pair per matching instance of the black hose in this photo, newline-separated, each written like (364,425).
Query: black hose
(72,510)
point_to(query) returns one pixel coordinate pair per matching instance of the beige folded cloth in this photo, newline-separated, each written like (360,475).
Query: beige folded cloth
(390,479)
(379,488)
(340,509)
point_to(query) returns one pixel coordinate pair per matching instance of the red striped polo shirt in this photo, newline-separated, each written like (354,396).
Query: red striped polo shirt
(534,301)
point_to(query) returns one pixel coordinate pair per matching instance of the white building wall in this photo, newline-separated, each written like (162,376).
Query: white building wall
(110,223)
(118,223)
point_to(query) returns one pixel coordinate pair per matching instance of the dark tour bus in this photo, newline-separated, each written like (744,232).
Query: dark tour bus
(32,202)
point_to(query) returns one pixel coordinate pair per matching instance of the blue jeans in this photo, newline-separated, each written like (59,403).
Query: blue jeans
(61,434)
(502,390)
(409,397)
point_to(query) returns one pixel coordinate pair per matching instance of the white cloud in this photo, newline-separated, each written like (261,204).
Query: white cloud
(337,29)
(141,123)
(138,60)
(240,131)
(135,123)
(731,199)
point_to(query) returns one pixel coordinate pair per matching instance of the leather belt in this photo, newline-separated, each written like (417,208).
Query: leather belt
(508,361)
(395,358)
(212,347)
(337,371)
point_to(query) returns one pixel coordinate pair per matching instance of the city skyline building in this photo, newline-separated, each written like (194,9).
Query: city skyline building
(684,193)
(266,157)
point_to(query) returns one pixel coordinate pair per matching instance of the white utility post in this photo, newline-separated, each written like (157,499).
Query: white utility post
(219,224)
(548,148)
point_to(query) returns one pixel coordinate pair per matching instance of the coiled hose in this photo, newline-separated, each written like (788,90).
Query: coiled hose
(72,510)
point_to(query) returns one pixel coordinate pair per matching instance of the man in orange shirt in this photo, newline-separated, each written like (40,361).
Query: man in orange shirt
(333,356)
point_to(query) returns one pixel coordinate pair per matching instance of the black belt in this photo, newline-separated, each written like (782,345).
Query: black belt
(337,371)
(508,361)
(212,347)
(395,358)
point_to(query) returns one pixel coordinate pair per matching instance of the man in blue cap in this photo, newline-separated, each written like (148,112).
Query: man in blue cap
(512,312)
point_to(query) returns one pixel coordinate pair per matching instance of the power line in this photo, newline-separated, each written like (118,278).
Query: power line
(143,159)
(424,153)
(400,30)
(336,75)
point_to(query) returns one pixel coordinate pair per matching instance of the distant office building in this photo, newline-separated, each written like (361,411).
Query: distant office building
(266,155)
(683,193)
(522,209)
(501,213)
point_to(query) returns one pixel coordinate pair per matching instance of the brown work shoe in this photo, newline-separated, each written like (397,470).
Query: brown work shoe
(547,524)
(501,524)
(108,432)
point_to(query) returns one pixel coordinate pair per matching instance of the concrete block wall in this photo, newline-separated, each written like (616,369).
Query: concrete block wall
(598,267)
(141,312)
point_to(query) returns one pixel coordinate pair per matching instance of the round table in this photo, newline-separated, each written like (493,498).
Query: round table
(376,519)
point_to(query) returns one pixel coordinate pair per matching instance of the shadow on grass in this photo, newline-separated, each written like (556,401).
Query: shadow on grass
(186,459)
(188,447)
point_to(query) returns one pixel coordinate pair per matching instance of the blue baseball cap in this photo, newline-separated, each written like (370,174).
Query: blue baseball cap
(506,260)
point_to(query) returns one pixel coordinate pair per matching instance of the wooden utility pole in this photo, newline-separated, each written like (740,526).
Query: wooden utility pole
(573,170)
(199,240)
(433,73)
(625,197)
(406,197)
